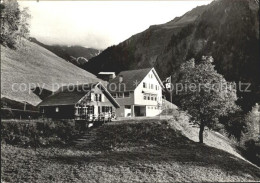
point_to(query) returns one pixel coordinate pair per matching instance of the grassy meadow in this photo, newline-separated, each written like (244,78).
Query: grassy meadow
(33,64)
(134,150)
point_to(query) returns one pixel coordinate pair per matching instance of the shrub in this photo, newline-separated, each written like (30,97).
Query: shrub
(38,133)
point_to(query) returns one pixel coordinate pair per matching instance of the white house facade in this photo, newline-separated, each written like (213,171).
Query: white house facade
(139,92)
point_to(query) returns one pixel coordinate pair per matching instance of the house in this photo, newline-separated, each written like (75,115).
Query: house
(90,102)
(138,92)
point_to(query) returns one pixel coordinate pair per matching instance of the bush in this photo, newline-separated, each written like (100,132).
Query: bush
(38,133)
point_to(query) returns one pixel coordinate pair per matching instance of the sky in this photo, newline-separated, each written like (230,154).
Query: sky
(99,24)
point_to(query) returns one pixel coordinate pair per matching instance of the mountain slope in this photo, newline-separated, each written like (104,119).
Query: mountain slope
(141,50)
(77,55)
(227,30)
(32,64)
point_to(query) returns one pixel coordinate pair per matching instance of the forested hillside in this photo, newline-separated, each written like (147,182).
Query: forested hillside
(227,30)
(77,55)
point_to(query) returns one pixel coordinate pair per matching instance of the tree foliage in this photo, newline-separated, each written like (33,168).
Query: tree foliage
(235,125)
(253,124)
(204,93)
(14,23)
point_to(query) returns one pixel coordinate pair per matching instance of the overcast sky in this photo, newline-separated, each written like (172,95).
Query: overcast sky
(99,24)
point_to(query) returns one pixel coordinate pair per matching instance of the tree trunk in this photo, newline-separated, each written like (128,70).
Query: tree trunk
(201,132)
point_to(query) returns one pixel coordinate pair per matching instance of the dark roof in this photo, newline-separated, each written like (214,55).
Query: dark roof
(41,92)
(68,95)
(131,79)
(71,94)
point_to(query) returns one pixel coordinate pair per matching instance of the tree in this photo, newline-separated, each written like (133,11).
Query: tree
(235,125)
(14,23)
(23,27)
(204,93)
(253,124)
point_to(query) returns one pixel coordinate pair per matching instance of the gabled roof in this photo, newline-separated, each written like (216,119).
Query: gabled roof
(131,79)
(70,95)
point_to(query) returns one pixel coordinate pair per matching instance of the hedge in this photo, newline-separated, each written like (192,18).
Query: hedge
(39,133)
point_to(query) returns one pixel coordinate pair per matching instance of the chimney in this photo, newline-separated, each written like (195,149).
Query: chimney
(120,79)
(107,76)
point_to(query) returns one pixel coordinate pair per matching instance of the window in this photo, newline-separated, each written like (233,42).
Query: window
(144,85)
(151,86)
(105,109)
(151,97)
(144,96)
(85,110)
(57,109)
(98,97)
(90,109)
(148,97)
(155,98)
(126,94)
(120,95)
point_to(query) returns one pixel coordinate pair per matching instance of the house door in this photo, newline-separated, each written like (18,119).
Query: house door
(137,111)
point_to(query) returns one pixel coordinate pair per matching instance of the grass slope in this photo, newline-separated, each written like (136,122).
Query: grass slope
(144,150)
(31,63)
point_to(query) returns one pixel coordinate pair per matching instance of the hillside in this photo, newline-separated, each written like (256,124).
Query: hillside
(227,30)
(77,55)
(135,150)
(33,64)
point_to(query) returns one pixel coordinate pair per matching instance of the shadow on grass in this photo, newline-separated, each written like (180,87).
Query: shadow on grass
(133,144)
(187,152)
